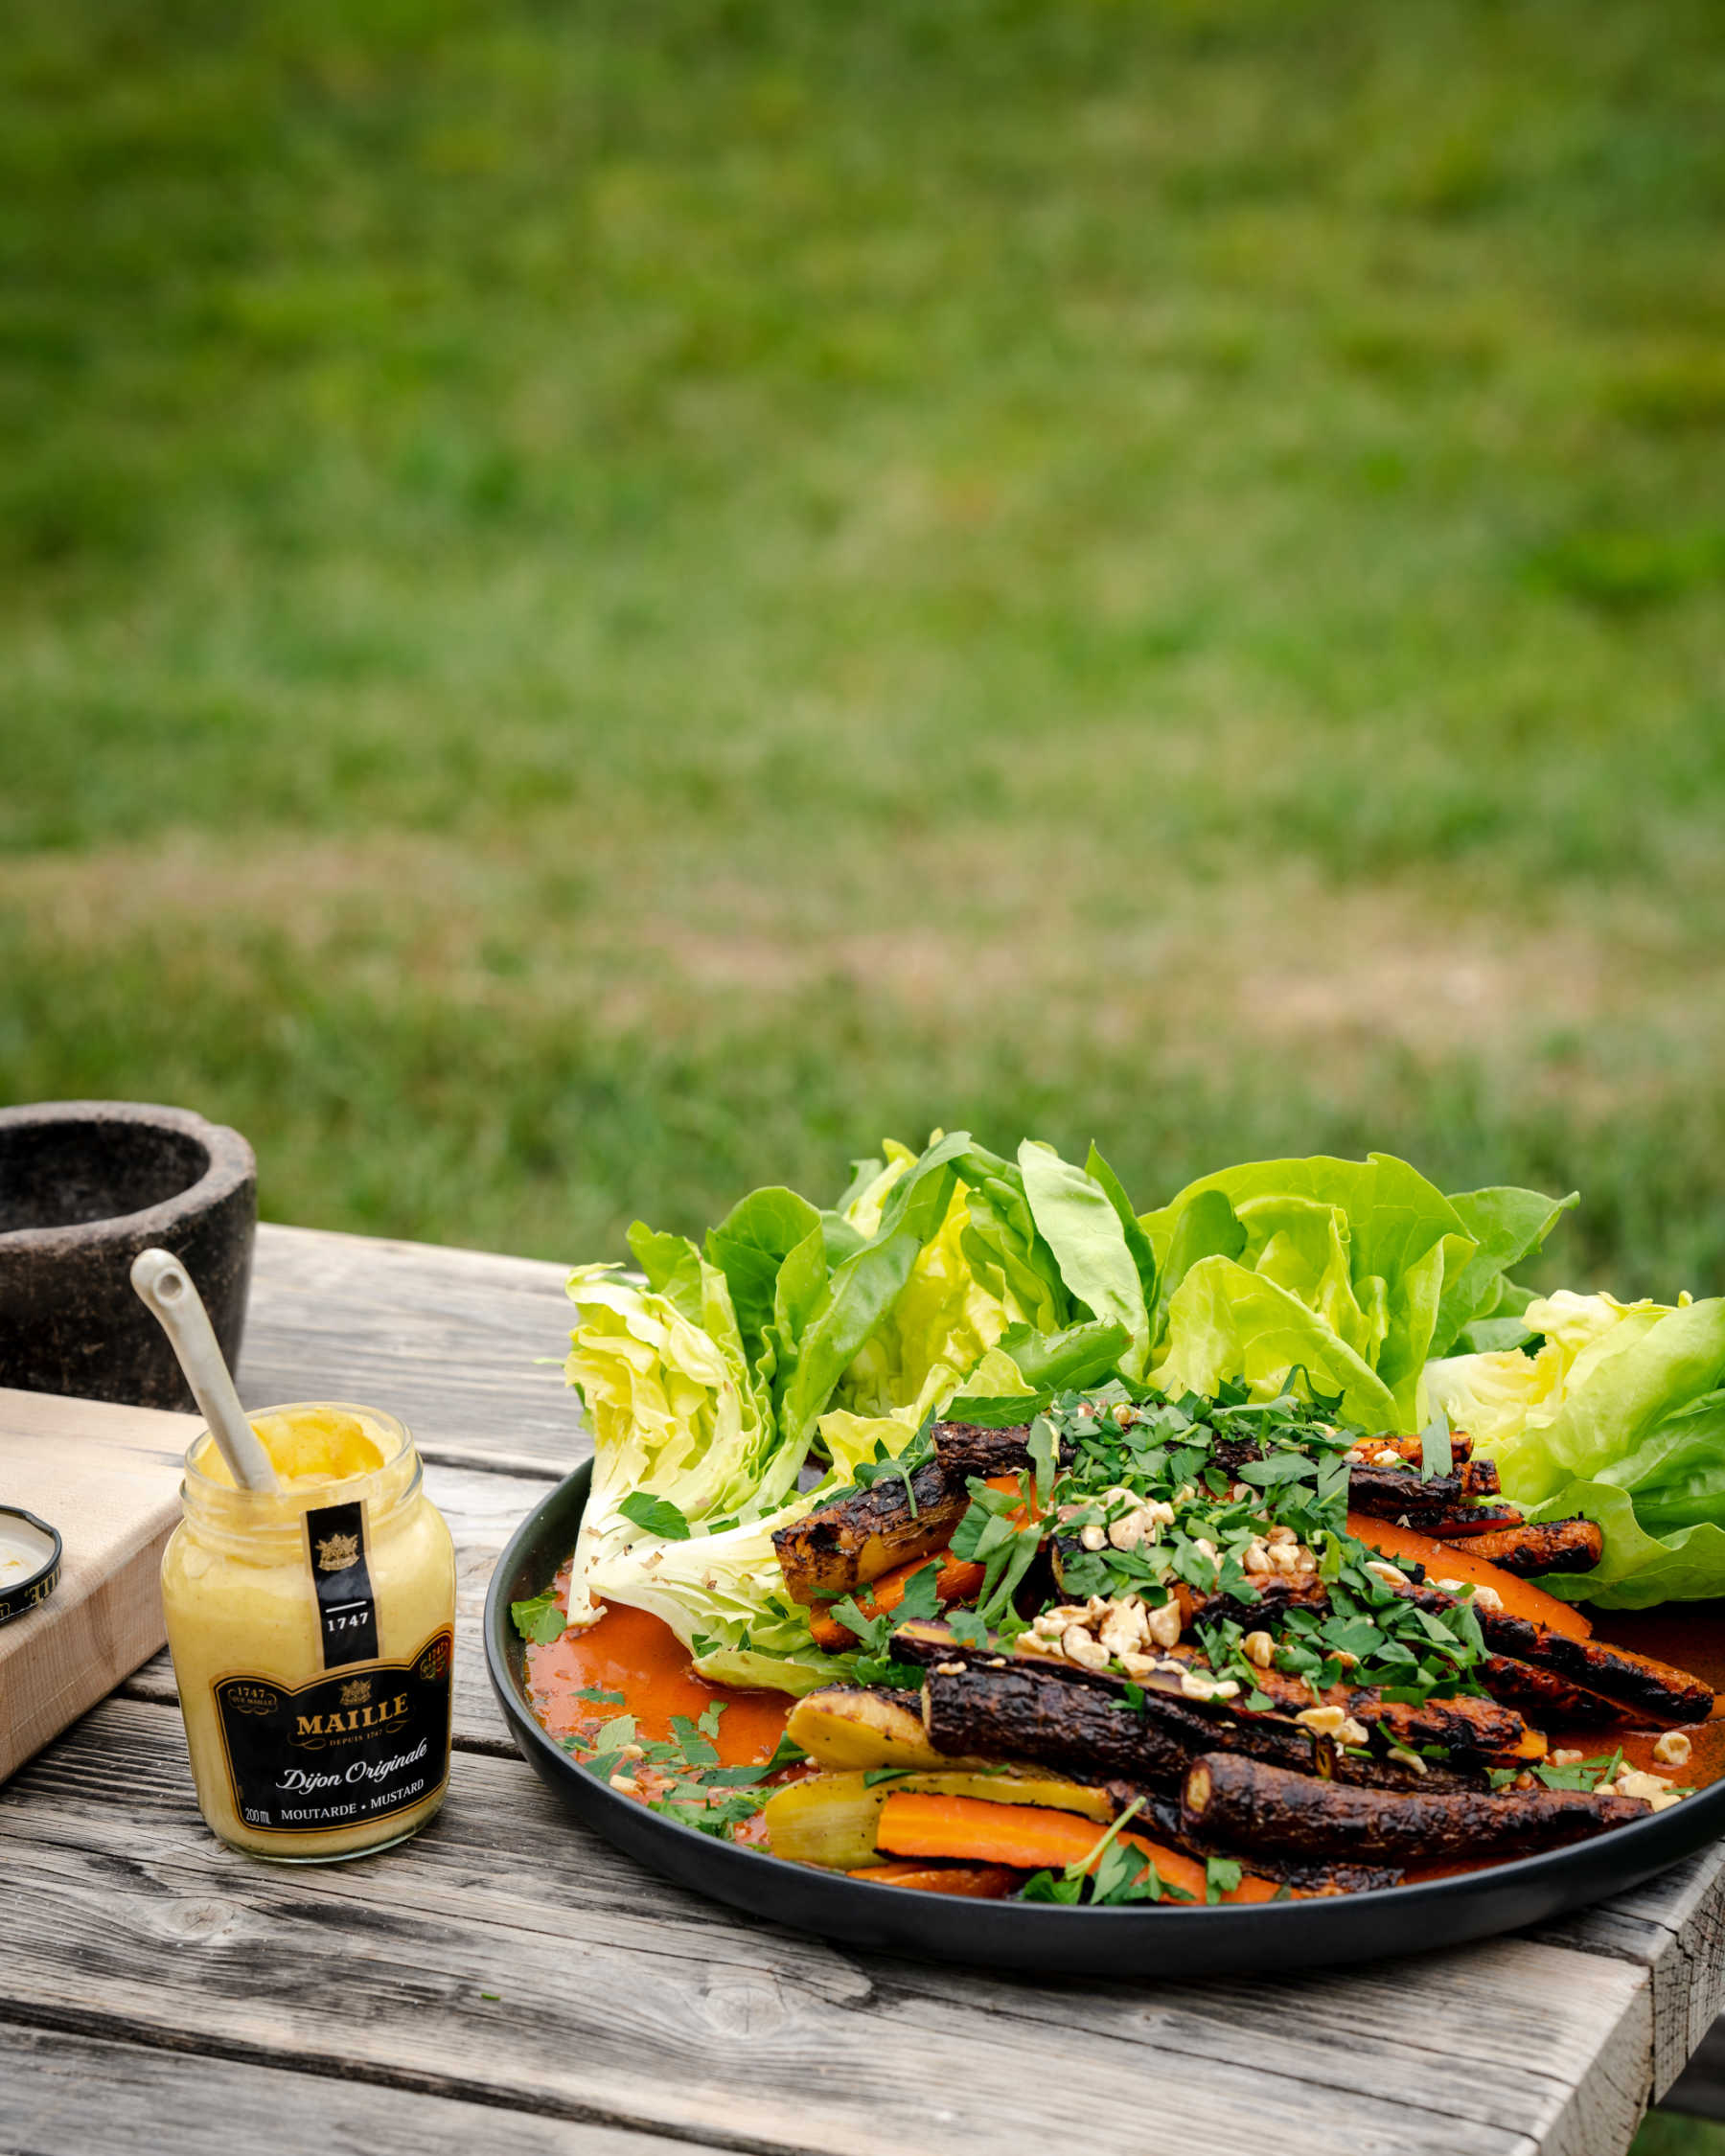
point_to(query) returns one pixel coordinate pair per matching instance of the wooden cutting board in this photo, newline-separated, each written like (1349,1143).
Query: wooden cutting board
(108,1478)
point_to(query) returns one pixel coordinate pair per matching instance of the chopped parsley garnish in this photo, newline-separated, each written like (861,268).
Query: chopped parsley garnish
(656,1515)
(1144,1495)
(539,1619)
(689,1784)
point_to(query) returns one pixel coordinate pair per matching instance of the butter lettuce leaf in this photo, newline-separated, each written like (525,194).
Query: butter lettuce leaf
(1639,1568)
(1507,1226)
(750,1246)
(1383,1260)
(941,1323)
(1620,1415)
(671,1399)
(1227,1321)
(1077,1218)
(819,1334)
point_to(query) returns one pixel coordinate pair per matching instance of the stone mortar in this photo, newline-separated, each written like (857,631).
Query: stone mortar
(84,1187)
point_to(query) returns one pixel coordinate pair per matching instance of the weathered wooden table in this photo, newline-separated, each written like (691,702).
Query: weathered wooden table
(158,1992)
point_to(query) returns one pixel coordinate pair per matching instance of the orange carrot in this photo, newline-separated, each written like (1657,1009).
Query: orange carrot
(1453,1560)
(957,1579)
(1027,1838)
(982,1882)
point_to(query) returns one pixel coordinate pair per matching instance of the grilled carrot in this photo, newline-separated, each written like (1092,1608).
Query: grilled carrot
(1443,1560)
(1028,1840)
(957,1581)
(982,1882)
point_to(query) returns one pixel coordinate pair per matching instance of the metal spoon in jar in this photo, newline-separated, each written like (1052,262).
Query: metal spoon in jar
(172,1299)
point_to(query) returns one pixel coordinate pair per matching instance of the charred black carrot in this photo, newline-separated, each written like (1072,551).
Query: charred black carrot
(1545,1696)
(965,1447)
(1246,1805)
(1460,1520)
(1389,1492)
(1049,1712)
(1483,1727)
(1650,1687)
(864,1533)
(1161,1815)
(1555,1546)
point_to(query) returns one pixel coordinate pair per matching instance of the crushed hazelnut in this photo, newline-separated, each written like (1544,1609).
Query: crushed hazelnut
(1672,1749)
(1259,1649)
(1092,1537)
(1163,1625)
(1631,1781)
(1391,1574)
(1322,1721)
(1403,1758)
(1082,1647)
(1124,1626)
(1565,1759)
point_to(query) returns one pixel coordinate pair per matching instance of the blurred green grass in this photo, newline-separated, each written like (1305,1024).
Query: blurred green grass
(599,606)
(1664,2133)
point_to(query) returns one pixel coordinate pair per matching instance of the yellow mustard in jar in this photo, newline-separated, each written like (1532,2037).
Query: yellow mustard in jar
(312,1634)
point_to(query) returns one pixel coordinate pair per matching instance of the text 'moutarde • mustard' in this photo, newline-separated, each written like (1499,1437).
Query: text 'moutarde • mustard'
(312,1629)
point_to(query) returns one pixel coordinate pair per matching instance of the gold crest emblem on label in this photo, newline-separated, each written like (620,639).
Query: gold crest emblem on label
(337,1552)
(358,1693)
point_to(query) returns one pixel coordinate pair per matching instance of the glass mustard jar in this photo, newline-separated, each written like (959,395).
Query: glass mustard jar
(313,1635)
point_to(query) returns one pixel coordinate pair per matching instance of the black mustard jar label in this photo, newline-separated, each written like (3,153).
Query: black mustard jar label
(347,1615)
(341,1750)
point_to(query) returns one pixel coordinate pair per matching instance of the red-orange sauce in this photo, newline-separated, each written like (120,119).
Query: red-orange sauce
(1689,1636)
(629,1652)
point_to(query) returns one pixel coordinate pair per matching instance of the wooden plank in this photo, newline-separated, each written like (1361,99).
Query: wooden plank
(483,1511)
(625,1999)
(67,2093)
(1674,1927)
(108,1478)
(1699,2089)
(450,1340)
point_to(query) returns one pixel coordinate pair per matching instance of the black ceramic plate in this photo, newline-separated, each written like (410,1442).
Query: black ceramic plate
(1041,1937)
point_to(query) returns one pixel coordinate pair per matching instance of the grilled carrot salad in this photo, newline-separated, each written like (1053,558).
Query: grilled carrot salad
(909,1556)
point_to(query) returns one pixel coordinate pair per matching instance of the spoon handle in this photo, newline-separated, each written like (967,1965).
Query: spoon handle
(173,1297)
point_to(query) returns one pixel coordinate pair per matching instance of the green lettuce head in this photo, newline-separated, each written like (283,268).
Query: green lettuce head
(1621,1416)
(941,1325)
(674,1412)
(1355,1271)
